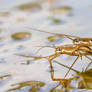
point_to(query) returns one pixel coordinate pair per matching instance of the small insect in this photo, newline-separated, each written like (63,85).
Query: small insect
(67,49)
(78,41)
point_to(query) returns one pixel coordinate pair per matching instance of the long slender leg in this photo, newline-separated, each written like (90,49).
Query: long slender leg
(55,87)
(71,66)
(65,66)
(52,73)
(50,58)
(63,81)
(52,70)
(60,35)
(89,63)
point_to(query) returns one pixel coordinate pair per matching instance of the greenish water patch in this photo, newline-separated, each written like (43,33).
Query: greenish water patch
(29,6)
(4,76)
(34,86)
(5,14)
(21,35)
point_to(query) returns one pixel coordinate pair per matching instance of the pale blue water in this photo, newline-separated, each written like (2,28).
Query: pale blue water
(79,24)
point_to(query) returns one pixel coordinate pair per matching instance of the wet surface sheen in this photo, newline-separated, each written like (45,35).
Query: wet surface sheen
(24,74)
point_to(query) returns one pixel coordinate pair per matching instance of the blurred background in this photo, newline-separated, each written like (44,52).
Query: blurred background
(23,74)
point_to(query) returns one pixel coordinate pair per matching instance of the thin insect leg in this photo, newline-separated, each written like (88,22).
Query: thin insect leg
(65,66)
(46,46)
(39,50)
(71,66)
(88,66)
(53,46)
(51,57)
(52,74)
(51,67)
(30,56)
(89,63)
(71,69)
(55,87)
(41,47)
(42,57)
(62,81)
(60,35)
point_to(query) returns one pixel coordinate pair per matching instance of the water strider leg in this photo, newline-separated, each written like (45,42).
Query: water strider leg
(52,70)
(71,66)
(58,34)
(52,90)
(63,81)
(84,82)
(65,66)
(55,79)
(89,63)
(50,58)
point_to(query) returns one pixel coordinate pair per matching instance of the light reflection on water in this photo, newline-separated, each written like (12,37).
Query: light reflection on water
(79,23)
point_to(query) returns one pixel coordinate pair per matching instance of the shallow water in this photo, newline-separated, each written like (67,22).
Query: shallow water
(74,20)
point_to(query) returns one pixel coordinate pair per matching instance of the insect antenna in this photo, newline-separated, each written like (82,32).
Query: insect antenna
(69,37)
(24,55)
(41,47)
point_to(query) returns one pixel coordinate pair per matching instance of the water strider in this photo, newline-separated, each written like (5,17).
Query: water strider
(67,49)
(78,41)
(75,39)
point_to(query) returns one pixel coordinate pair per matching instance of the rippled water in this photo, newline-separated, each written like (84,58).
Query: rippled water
(73,17)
